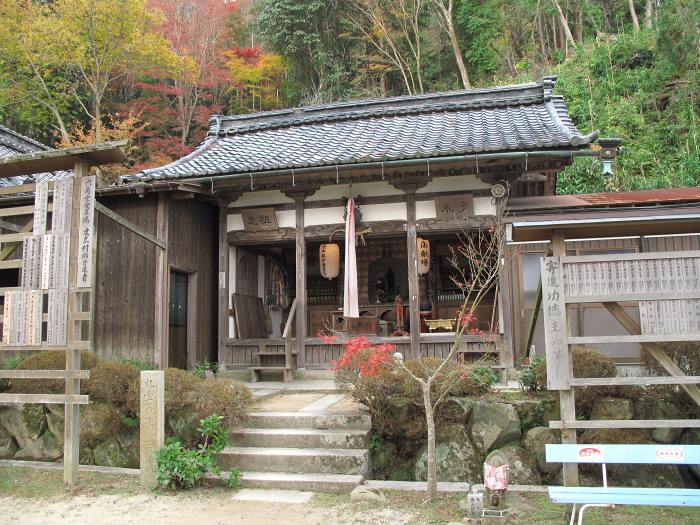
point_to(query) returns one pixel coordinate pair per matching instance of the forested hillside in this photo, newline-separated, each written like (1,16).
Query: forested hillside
(153,71)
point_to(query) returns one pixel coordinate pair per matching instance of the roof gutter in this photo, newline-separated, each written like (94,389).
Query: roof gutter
(512,155)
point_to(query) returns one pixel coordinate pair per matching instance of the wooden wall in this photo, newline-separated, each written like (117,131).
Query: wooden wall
(126,273)
(125,283)
(193,247)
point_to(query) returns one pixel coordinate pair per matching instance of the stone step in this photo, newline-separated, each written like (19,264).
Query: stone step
(327,483)
(351,420)
(295,460)
(300,437)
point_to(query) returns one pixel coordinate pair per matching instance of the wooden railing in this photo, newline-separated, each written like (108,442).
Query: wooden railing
(289,361)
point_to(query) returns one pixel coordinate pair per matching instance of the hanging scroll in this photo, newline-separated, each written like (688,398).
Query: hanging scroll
(86,223)
(41,207)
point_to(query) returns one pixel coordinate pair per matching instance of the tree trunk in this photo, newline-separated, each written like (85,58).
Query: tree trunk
(633,14)
(458,55)
(650,14)
(431,460)
(565,25)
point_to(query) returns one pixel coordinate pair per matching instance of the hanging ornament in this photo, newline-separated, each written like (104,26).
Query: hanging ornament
(329,260)
(423,256)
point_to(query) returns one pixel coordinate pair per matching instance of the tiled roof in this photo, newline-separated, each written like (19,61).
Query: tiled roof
(12,144)
(602,200)
(523,117)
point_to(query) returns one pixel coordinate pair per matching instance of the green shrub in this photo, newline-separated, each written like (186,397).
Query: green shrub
(49,360)
(395,400)
(183,468)
(589,362)
(687,357)
(530,375)
(98,422)
(111,382)
(226,397)
(484,376)
(179,391)
(137,363)
(200,369)
(9,363)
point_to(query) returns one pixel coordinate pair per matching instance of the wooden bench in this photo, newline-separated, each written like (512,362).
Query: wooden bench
(622,454)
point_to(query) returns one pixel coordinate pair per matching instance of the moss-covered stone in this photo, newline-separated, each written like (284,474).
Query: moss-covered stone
(652,408)
(534,441)
(56,426)
(457,459)
(25,423)
(492,425)
(530,412)
(8,447)
(129,443)
(612,408)
(110,454)
(99,421)
(86,456)
(522,466)
(46,448)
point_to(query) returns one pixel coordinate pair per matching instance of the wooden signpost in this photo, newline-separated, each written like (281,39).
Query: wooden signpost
(50,307)
(666,288)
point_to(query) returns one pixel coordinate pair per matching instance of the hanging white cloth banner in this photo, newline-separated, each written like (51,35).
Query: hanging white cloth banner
(350,307)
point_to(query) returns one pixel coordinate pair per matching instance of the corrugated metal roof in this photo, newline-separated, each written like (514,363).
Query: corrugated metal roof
(524,117)
(13,144)
(601,200)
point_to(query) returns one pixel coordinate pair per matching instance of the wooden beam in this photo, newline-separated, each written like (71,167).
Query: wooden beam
(655,350)
(160,345)
(640,338)
(11,247)
(11,264)
(10,226)
(300,261)
(47,399)
(104,210)
(45,374)
(635,380)
(625,423)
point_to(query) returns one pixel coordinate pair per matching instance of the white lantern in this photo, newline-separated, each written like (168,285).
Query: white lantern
(329,260)
(423,256)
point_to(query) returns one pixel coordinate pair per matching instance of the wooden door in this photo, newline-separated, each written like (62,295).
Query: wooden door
(178,314)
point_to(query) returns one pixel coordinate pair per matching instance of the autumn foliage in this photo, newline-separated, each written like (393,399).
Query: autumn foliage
(363,358)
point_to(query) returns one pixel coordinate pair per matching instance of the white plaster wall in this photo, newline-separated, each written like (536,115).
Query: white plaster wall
(459,183)
(318,216)
(425,210)
(340,191)
(260,198)
(394,211)
(484,206)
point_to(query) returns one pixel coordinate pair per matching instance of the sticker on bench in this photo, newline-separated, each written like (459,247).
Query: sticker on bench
(590,454)
(670,454)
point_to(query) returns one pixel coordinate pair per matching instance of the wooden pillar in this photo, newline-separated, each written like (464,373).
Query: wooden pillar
(300,262)
(71,439)
(566,397)
(299,193)
(223,286)
(412,257)
(160,347)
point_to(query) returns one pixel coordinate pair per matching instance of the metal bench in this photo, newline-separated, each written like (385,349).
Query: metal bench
(620,454)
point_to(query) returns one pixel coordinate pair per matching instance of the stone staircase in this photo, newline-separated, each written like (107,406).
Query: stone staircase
(305,450)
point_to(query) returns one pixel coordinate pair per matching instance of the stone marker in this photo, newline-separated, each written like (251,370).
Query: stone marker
(152,422)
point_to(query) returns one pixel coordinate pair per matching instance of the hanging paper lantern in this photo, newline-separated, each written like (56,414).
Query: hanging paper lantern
(423,256)
(329,260)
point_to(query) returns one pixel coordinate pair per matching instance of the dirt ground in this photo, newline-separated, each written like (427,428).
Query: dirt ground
(38,497)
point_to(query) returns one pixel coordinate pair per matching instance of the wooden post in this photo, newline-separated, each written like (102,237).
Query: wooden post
(160,347)
(151,423)
(299,194)
(567,404)
(412,256)
(223,281)
(300,283)
(71,440)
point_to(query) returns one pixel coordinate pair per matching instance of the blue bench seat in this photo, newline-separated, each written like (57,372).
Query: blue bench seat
(625,496)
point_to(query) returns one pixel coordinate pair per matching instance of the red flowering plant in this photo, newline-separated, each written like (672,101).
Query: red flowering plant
(363,358)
